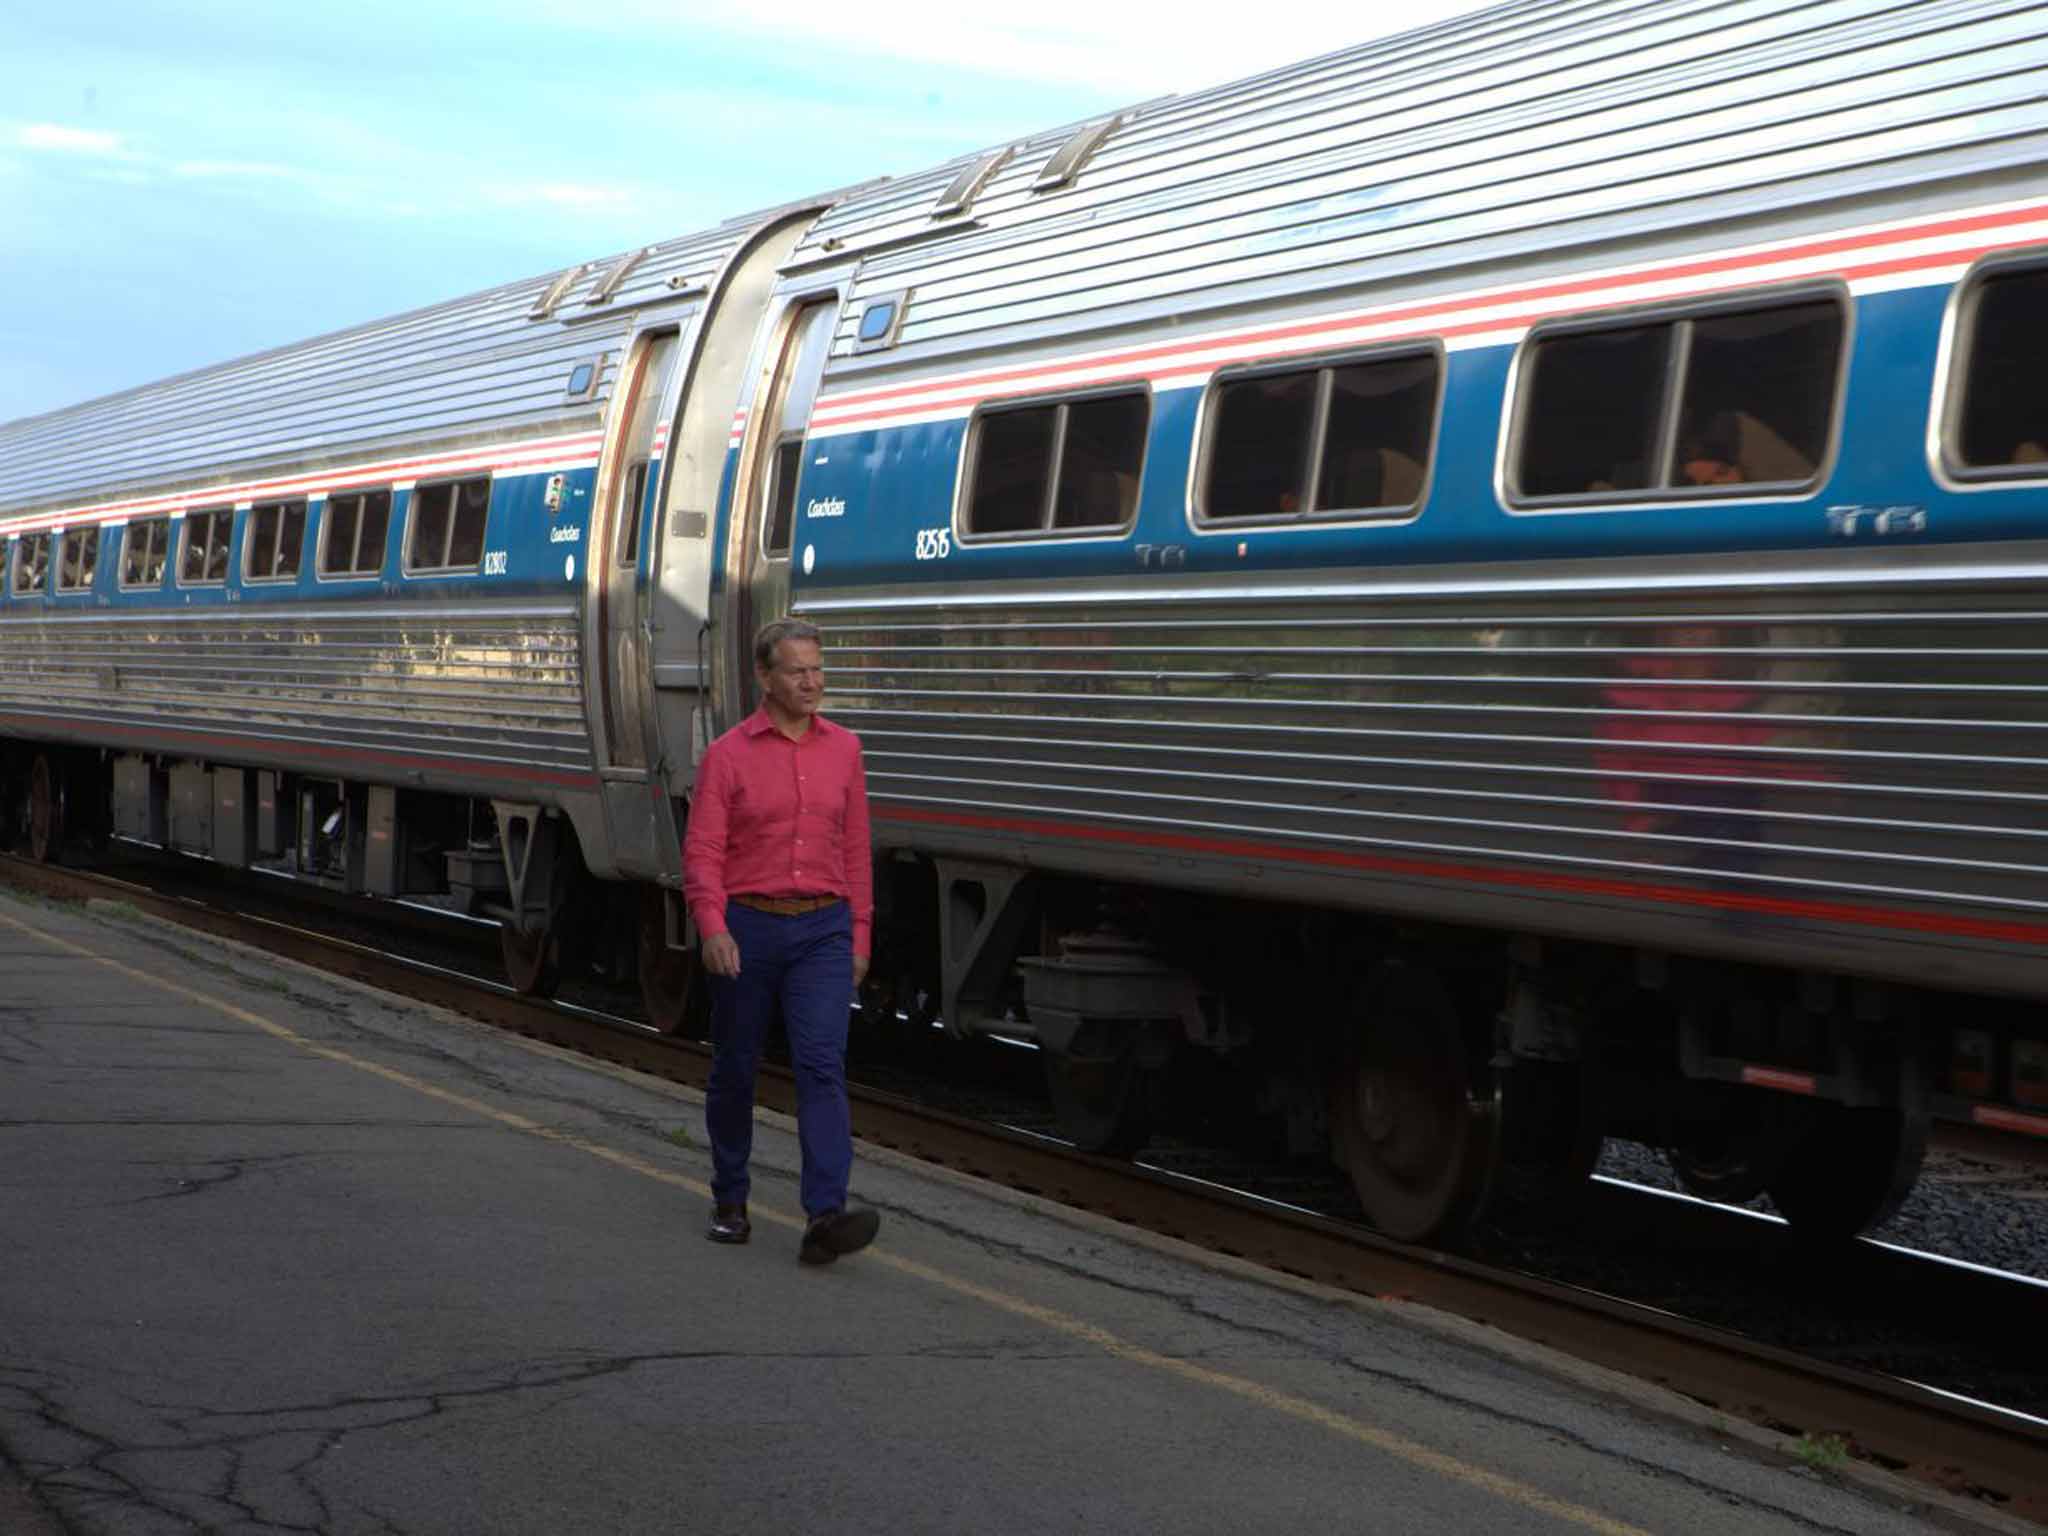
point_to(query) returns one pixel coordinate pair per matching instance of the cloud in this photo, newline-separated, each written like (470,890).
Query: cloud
(110,158)
(236,170)
(560,194)
(56,139)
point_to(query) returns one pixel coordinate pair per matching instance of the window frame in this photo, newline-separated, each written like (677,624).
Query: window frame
(91,533)
(630,526)
(320,542)
(1958,338)
(185,542)
(1514,418)
(970,452)
(900,298)
(249,578)
(1393,514)
(411,570)
(17,552)
(121,581)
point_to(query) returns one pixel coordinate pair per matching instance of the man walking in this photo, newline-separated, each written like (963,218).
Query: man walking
(776,868)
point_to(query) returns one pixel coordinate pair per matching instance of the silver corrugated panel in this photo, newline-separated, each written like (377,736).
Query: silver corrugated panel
(1882,746)
(468,370)
(480,686)
(1521,132)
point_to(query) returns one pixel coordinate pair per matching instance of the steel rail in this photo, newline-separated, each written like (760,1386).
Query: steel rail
(1961,1446)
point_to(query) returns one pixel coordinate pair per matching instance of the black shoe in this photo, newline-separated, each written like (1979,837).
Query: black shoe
(729,1224)
(838,1232)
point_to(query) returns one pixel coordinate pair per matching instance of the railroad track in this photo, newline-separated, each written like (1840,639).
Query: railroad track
(1976,1448)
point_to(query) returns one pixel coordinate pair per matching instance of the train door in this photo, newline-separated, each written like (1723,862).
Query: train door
(764,504)
(698,453)
(617,550)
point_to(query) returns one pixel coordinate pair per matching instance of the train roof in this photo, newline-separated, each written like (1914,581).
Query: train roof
(472,369)
(1544,130)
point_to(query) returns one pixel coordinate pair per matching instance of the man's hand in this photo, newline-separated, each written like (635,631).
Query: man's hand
(860,970)
(722,955)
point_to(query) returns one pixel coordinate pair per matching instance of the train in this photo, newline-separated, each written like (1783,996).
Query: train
(1470,596)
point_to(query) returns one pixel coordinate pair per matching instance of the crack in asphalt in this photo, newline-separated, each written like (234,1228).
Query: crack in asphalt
(238,1478)
(225,1169)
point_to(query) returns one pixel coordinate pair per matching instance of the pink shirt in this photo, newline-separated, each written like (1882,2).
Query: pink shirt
(775,817)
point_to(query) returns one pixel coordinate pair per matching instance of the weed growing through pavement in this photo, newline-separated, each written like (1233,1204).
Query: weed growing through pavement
(681,1137)
(1823,1453)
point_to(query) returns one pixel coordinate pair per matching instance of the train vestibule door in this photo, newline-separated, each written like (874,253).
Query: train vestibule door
(687,706)
(764,502)
(622,526)
(638,822)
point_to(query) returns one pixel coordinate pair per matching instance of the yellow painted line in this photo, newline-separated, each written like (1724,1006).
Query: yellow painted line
(1270,1398)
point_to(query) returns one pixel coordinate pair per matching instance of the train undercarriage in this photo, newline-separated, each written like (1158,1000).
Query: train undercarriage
(1431,1063)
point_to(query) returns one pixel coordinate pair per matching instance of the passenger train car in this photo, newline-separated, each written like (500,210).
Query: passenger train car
(1481,592)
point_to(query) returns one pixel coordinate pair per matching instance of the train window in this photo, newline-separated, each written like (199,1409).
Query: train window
(205,557)
(276,541)
(31,564)
(145,550)
(877,321)
(881,321)
(1594,404)
(783,473)
(1340,439)
(1998,425)
(649,389)
(447,526)
(1725,398)
(78,559)
(805,349)
(1064,467)
(352,533)
(1758,396)
(632,495)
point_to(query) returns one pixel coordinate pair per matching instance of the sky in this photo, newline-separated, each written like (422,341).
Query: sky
(194,180)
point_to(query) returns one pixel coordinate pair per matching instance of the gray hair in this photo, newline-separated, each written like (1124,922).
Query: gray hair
(771,635)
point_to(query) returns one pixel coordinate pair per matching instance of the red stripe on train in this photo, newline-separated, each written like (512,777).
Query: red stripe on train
(966,397)
(2010,1120)
(1945,924)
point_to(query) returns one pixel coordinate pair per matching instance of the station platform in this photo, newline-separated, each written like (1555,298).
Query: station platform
(286,1254)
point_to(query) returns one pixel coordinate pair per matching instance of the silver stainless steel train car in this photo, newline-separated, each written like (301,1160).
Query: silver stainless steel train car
(1479,593)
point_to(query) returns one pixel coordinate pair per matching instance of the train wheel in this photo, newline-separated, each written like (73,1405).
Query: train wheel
(533,961)
(1734,1156)
(1418,1141)
(1106,1099)
(1848,1169)
(672,987)
(46,807)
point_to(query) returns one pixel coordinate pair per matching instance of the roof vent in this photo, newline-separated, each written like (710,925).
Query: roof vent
(960,194)
(609,284)
(1068,159)
(544,306)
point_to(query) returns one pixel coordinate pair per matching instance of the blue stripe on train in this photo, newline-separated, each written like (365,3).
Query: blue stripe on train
(896,482)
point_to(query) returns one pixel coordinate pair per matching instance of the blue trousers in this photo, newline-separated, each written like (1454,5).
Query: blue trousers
(804,965)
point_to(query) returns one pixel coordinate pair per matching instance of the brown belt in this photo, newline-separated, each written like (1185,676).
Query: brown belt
(789,906)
